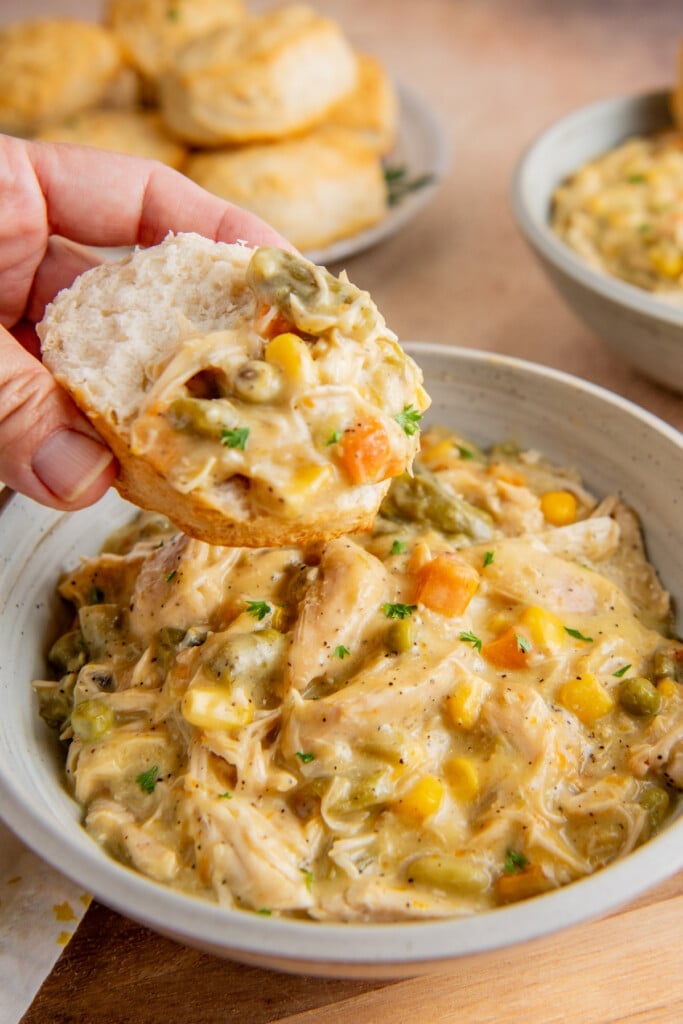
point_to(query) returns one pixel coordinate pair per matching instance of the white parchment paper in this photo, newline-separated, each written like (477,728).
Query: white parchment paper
(40,910)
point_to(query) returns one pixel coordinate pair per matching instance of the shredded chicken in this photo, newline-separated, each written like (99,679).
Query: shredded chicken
(474,703)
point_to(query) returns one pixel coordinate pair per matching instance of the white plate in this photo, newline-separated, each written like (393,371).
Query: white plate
(422,148)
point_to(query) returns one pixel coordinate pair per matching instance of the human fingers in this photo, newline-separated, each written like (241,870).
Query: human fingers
(48,450)
(110,199)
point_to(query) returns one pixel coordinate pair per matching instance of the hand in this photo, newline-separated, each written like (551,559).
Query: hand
(52,198)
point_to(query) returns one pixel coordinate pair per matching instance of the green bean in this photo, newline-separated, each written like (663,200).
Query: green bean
(247,659)
(638,696)
(453,874)
(100,625)
(201,417)
(91,720)
(424,499)
(55,699)
(363,793)
(305,294)
(68,653)
(666,665)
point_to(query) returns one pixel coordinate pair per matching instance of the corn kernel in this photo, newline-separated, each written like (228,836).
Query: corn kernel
(441,454)
(559,507)
(211,708)
(667,687)
(464,706)
(667,260)
(291,355)
(586,697)
(423,800)
(463,778)
(545,629)
(305,483)
(419,557)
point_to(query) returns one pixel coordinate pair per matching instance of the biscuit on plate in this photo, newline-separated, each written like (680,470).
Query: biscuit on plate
(260,78)
(52,68)
(136,132)
(150,31)
(247,394)
(313,189)
(371,109)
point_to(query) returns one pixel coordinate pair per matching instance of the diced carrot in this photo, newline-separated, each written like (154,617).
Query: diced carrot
(532,881)
(280,324)
(510,649)
(447,584)
(507,474)
(365,453)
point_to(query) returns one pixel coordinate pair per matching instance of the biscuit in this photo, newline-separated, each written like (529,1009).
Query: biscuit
(313,189)
(52,68)
(261,78)
(371,109)
(151,31)
(136,132)
(250,396)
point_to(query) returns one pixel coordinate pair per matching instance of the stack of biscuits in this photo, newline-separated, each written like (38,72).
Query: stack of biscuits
(275,112)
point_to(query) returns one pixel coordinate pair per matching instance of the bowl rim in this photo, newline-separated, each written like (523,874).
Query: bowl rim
(537,229)
(339,949)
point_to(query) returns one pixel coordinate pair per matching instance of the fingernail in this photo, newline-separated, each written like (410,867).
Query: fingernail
(67,463)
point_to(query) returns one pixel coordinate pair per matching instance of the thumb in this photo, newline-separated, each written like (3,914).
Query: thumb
(48,450)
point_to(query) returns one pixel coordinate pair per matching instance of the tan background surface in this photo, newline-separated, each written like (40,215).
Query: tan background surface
(497,71)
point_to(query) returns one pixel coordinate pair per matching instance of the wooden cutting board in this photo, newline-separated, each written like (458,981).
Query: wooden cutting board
(624,969)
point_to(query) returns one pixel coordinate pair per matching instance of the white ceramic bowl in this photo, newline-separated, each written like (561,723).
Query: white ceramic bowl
(488,397)
(646,330)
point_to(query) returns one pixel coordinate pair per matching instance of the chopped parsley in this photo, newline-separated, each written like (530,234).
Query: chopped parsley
(637,179)
(622,671)
(398,547)
(470,638)
(264,911)
(259,609)
(409,420)
(95,595)
(514,862)
(148,780)
(463,452)
(305,758)
(522,642)
(577,635)
(334,438)
(398,611)
(225,796)
(171,576)
(308,875)
(488,558)
(236,438)
(341,652)
(400,185)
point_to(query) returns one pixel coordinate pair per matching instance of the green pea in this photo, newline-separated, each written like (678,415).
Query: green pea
(257,381)
(638,696)
(655,801)
(401,636)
